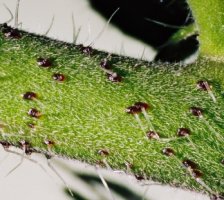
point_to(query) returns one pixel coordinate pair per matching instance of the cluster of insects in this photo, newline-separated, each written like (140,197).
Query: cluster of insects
(104,64)
(183,132)
(107,68)
(137,109)
(13,33)
(10,32)
(25,146)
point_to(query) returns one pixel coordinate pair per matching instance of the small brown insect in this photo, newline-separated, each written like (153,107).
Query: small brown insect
(168,152)
(49,143)
(88,50)
(29,151)
(58,77)
(139,177)
(44,62)
(133,110)
(114,77)
(13,34)
(24,143)
(5,144)
(183,132)
(103,152)
(196,111)
(29,96)
(10,32)
(142,105)
(196,173)
(203,85)
(105,64)
(33,112)
(153,135)
(189,164)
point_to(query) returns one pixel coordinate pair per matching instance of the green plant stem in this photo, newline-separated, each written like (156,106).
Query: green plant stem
(86,112)
(209,16)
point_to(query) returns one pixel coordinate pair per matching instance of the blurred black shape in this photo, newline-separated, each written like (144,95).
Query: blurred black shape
(75,195)
(132,17)
(175,52)
(151,21)
(119,189)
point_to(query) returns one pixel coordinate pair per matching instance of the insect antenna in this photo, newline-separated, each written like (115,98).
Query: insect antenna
(205,86)
(190,167)
(198,112)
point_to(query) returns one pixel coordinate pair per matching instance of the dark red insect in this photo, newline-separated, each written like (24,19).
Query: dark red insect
(58,77)
(33,112)
(133,110)
(114,77)
(5,144)
(10,32)
(26,146)
(13,34)
(29,96)
(24,143)
(168,152)
(183,132)
(189,164)
(103,152)
(49,143)
(44,62)
(142,105)
(105,64)
(152,135)
(29,151)
(139,177)
(86,50)
(196,111)
(203,85)
(196,173)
